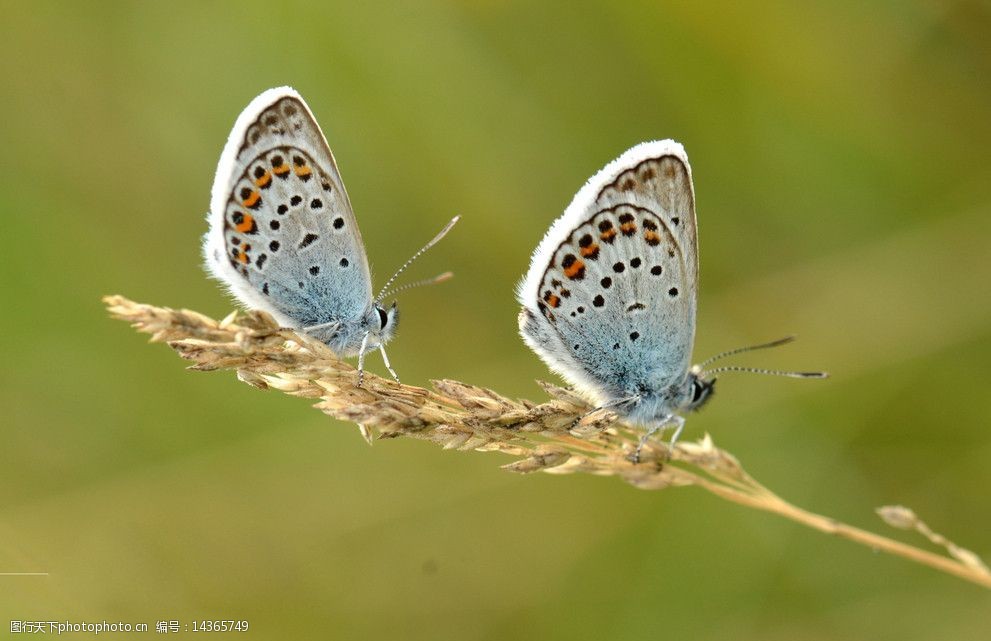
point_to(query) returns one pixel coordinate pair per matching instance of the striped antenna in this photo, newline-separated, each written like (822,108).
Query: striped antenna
(770,372)
(409,262)
(440,278)
(751,348)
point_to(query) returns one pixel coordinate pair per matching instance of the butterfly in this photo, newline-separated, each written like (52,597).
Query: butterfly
(283,237)
(609,300)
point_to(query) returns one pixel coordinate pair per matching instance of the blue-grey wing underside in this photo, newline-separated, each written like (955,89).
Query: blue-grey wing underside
(617,299)
(289,231)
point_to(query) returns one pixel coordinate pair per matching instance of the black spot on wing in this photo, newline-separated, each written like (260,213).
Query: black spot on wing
(308,240)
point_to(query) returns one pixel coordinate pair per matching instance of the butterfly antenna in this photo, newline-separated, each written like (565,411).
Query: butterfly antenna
(409,262)
(770,372)
(426,281)
(751,348)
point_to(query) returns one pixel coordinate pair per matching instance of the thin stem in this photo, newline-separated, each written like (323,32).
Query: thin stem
(770,502)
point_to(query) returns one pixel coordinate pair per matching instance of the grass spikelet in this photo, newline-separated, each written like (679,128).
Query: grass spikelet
(557,436)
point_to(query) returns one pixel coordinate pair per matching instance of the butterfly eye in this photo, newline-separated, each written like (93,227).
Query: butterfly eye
(383,317)
(698,390)
(701,392)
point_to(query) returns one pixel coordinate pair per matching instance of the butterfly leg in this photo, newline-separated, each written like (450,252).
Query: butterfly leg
(679,425)
(635,457)
(312,328)
(361,359)
(388,365)
(673,420)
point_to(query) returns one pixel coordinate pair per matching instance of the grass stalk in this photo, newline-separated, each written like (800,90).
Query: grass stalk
(543,437)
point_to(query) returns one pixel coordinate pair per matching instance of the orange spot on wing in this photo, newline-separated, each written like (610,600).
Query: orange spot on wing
(252,200)
(242,257)
(281,170)
(592,251)
(628,229)
(303,171)
(575,269)
(264,181)
(247,224)
(608,234)
(652,238)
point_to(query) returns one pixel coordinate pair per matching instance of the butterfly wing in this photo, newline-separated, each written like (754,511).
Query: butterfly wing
(609,300)
(283,237)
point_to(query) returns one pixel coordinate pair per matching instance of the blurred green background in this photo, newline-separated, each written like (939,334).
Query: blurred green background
(843,172)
